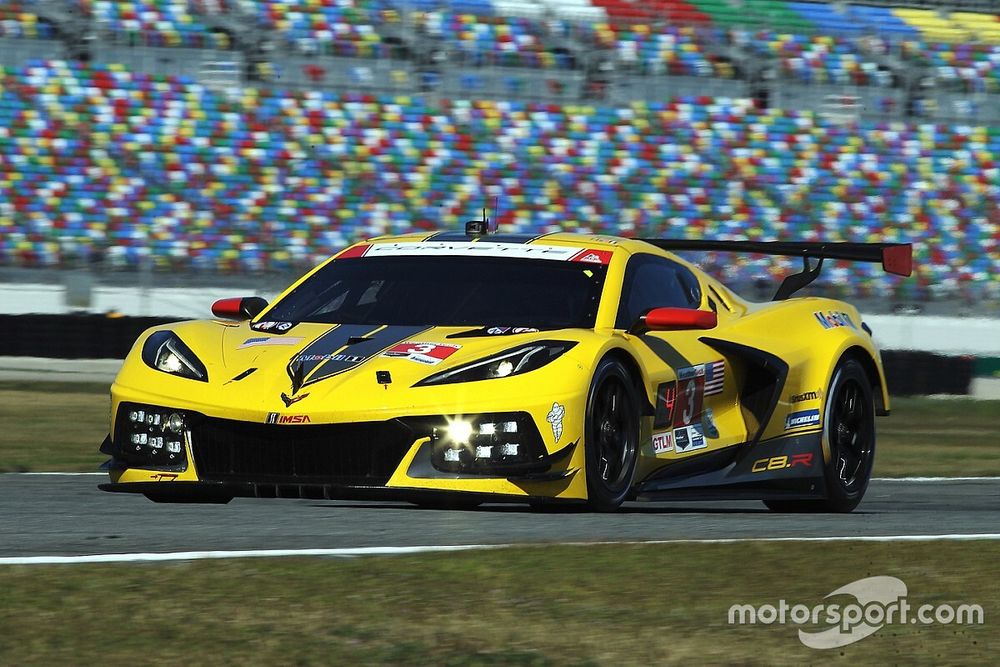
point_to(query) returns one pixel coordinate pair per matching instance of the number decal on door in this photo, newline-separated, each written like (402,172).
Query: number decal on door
(690,401)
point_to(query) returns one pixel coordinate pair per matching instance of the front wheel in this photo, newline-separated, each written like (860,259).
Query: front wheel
(611,436)
(849,428)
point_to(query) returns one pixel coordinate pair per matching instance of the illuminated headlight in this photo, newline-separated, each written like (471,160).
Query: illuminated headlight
(164,351)
(505,364)
(487,444)
(503,369)
(150,436)
(460,431)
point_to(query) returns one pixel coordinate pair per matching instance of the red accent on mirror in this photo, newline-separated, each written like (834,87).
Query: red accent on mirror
(898,259)
(230,309)
(672,319)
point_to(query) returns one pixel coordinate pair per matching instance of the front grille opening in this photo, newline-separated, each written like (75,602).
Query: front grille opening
(357,454)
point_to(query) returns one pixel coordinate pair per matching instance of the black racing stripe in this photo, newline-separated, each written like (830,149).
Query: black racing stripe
(326,344)
(376,340)
(448,236)
(666,352)
(520,239)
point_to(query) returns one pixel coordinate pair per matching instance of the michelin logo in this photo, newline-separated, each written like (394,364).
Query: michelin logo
(802,418)
(555,418)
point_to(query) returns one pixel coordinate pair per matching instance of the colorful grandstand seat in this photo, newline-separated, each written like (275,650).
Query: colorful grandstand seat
(101,161)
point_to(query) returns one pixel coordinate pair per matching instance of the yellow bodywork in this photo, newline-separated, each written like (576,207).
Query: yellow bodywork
(787,329)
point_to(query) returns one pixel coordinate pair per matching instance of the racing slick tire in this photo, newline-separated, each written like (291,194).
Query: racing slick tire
(611,436)
(849,428)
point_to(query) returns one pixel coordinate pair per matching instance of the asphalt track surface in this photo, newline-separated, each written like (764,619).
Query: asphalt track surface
(64,515)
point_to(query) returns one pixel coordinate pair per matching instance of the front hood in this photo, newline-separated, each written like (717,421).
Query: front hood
(337,368)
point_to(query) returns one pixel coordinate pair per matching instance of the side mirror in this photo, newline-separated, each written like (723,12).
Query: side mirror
(239,308)
(675,319)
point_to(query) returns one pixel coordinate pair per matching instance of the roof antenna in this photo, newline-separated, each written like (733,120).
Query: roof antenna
(496,215)
(477,228)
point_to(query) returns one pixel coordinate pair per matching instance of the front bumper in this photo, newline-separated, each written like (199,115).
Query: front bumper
(393,458)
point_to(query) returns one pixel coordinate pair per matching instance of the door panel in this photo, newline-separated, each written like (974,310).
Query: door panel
(695,387)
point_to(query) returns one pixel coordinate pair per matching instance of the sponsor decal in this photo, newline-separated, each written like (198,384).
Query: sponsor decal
(268,341)
(288,400)
(689,439)
(343,348)
(801,418)
(350,358)
(805,396)
(592,256)
(832,319)
(555,419)
(272,327)
(473,249)
(663,442)
(782,462)
(275,418)
(424,353)
(708,424)
(494,331)
(505,331)
(163,477)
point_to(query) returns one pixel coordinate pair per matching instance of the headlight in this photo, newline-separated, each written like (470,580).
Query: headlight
(488,444)
(511,362)
(151,436)
(165,352)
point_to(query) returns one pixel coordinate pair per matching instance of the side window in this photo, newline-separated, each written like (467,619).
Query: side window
(655,282)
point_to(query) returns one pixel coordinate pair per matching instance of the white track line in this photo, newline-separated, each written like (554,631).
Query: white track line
(387,551)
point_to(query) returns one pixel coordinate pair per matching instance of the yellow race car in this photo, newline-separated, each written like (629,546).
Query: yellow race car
(456,368)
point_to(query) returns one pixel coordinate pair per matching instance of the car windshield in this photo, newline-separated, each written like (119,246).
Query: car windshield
(447,291)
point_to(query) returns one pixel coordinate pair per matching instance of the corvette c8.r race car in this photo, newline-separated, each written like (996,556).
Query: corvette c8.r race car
(456,368)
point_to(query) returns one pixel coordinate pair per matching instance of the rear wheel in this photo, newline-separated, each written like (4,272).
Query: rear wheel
(849,429)
(611,436)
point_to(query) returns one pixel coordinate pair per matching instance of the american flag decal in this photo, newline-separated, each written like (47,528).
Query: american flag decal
(715,376)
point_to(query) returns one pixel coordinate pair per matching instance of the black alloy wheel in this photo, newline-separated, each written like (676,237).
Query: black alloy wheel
(849,431)
(611,436)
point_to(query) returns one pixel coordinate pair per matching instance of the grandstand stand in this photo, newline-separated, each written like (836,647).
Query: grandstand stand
(121,167)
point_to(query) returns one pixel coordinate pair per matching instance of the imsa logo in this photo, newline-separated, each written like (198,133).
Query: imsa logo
(275,418)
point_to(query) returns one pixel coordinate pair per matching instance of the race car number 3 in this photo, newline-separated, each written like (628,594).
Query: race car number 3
(690,399)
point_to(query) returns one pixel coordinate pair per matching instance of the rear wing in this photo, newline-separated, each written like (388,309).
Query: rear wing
(896,258)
